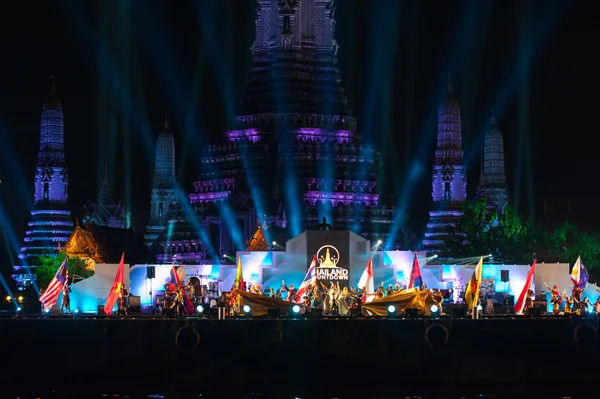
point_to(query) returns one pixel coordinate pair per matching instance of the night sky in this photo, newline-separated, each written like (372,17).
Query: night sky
(536,64)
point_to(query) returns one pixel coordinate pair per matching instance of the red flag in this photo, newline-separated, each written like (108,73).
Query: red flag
(415,274)
(115,290)
(187,302)
(521,301)
(366,282)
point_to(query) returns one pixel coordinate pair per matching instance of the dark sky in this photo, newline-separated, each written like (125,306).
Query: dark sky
(121,65)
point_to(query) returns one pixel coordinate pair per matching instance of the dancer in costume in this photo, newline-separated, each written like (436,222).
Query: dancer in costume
(555,298)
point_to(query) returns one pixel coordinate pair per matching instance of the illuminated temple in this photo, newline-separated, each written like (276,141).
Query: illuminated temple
(292,158)
(492,181)
(449,181)
(50,225)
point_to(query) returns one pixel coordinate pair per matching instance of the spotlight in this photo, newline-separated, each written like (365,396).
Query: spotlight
(479,308)
(434,256)
(18,309)
(8,298)
(20,299)
(76,311)
(224,255)
(490,256)
(200,309)
(296,309)
(378,242)
(47,311)
(435,311)
(391,311)
(247,309)
(274,243)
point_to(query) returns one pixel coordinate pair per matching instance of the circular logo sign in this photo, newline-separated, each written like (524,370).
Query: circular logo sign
(328,256)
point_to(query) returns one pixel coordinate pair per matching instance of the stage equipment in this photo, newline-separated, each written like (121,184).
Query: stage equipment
(150,275)
(168,312)
(459,312)
(247,310)
(296,309)
(435,311)
(200,309)
(412,313)
(534,312)
(273,313)
(504,276)
(391,311)
(479,308)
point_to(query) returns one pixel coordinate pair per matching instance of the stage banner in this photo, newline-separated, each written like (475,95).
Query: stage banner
(333,255)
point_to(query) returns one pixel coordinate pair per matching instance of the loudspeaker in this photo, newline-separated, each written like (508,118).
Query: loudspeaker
(504,276)
(134,301)
(509,300)
(168,312)
(534,312)
(151,273)
(459,312)
(134,310)
(412,313)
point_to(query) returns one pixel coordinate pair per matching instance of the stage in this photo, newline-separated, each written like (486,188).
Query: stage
(153,352)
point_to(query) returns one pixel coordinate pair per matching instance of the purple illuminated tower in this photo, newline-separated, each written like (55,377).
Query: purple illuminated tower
(449,184)
(492,182)
(106,211)
(163,190)
(293,156)
(50,224)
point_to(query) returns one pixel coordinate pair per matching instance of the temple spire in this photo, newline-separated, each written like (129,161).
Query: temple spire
(493,118)
(53,86)
(105,195)
(166,124)
(450,85)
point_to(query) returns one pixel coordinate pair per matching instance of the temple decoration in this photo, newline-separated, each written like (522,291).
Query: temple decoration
(449,184)
(163,190)
(105,211)
(50,225)
(294,118)
(492,180)
(101,244)
(258,242)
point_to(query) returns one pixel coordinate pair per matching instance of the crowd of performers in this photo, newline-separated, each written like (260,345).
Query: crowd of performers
(328,300)
(574,303)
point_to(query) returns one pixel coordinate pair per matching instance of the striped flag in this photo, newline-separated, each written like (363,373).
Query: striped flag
(239,277)
(415,274)
(366,282)
(310,280)
(522,298)
(115,290)
(50,296)
(579,274)
(472,291)
(188,306)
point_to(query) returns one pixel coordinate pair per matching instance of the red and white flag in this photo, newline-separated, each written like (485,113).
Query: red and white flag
(50,296)
(366,282)
(524,292)
(310,280)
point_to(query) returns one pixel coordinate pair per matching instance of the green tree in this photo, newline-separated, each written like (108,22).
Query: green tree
(482,230)
(566,242)
(46,266)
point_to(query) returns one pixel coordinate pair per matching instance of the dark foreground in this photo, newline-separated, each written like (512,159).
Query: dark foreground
(302,358)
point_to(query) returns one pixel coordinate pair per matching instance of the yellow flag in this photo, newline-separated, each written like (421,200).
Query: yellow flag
(472,291)
(239,277)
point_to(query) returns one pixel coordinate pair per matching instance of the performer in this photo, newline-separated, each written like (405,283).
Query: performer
(555,298)
(66,300)
(568,302)
(577,292)
(291,292)
(122,302)
(597,306)
(529,299)
(340,300)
